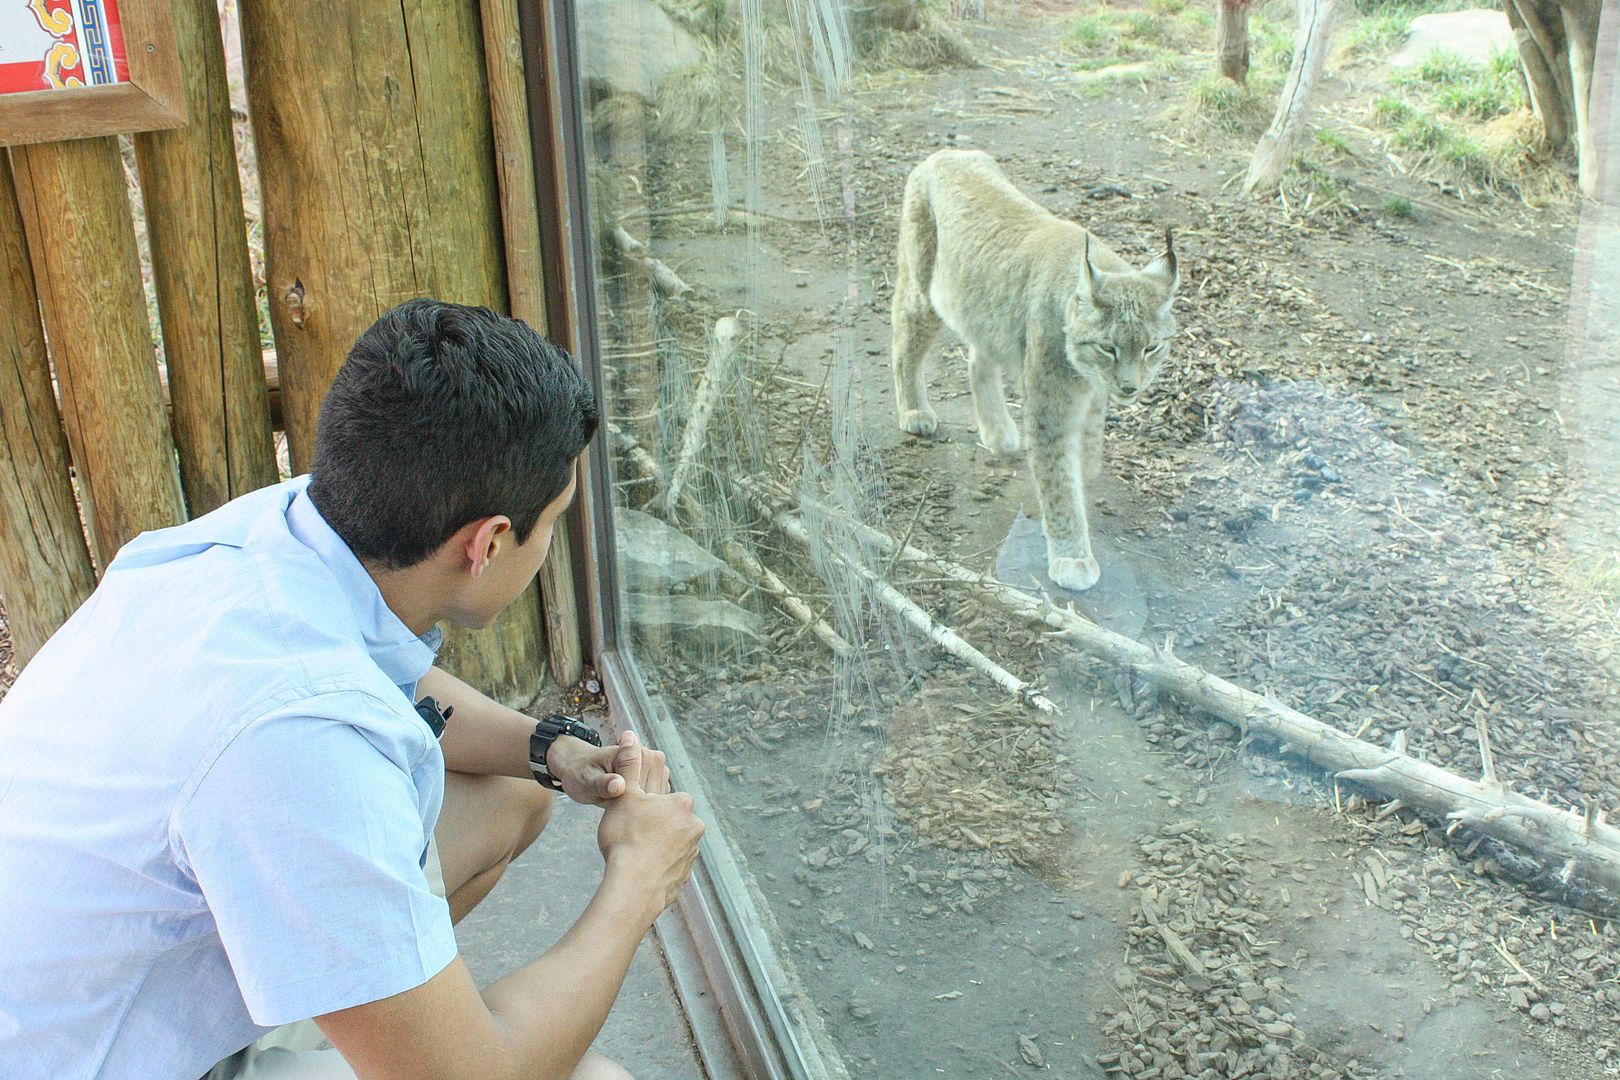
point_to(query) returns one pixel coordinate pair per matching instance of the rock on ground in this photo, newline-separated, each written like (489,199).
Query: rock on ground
(630,47)
(1472,35)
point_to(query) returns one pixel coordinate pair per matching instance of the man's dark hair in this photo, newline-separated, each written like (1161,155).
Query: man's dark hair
(443,414)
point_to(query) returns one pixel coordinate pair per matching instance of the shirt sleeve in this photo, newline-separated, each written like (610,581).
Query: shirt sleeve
(307,837)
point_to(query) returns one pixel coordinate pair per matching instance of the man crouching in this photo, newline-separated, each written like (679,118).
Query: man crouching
(222,809)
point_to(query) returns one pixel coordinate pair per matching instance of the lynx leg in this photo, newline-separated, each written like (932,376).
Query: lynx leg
(997,431)
(1093,422)
(1054,454)
(913,327)
(914,322)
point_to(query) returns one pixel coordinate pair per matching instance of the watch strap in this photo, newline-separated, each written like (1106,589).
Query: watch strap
(546,732)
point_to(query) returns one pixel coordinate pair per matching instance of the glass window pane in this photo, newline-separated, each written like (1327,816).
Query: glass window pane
(1109,653)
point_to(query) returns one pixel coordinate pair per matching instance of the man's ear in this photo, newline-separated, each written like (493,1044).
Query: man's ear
(482,540)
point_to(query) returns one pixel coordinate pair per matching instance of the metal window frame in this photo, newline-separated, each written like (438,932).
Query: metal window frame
(747,1017)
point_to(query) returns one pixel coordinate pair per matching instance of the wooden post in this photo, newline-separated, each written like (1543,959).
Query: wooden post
(1316,18)
(1232,40)
(193,199)
(81,240)
(526,292)
(377,166)
(45,568)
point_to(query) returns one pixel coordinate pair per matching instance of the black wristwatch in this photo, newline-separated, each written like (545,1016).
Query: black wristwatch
(548,731)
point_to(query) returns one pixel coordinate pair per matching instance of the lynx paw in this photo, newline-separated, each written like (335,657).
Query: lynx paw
(919,421)
(1003,443)
(1077,574)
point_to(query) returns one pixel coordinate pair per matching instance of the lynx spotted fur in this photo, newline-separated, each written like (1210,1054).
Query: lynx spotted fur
(1042,299)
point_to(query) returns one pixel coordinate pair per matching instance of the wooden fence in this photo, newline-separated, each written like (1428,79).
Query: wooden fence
(394,161)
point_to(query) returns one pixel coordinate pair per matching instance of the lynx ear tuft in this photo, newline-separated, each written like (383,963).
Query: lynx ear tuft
(1163,269)
(1093,280)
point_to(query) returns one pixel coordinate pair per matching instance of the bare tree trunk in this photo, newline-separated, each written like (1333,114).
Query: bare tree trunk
(1580,31)
(1557,42)
(1316,18)
(1542,52)
(1232,40)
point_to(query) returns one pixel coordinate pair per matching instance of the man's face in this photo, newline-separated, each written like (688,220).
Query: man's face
(511,567)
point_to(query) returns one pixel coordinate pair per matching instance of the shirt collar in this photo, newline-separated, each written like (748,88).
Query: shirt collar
(402,655)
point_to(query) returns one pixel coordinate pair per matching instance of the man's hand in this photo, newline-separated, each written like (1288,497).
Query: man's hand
(648,837)
(589,774)
(540,1019)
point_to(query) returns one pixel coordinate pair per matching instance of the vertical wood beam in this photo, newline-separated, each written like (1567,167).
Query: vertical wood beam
(45,570)
(526,290)
(193,197)
(377,169)
(81,240)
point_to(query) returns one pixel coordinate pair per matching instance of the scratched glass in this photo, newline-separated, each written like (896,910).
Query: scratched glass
(1283,747)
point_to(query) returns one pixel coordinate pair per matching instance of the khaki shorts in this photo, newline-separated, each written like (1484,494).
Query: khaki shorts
(299,1051)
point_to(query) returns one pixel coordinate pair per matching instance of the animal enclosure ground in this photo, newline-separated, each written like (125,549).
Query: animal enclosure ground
(1361,486)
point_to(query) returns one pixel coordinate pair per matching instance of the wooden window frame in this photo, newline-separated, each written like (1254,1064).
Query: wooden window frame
(746,1017)
(154,97)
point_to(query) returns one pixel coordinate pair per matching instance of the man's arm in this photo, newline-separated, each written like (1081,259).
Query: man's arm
(485,738)
(538,1021)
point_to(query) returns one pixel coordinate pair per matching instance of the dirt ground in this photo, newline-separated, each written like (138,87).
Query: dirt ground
(1354,489)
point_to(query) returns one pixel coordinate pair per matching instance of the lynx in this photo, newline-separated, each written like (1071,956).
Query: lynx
(1036,296)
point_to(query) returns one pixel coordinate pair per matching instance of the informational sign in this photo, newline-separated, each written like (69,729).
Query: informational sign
(70,69)
(60,44)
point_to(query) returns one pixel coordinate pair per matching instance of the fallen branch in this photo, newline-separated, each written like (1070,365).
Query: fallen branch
(727,336)
(1585,844)
(943,636)
(665,280)
(741,559)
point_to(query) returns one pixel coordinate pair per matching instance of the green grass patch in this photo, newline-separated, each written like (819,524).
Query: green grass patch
(1439,68)
(1332,140)
(1144,27)
(1470,91)
(1311,188)
(1105,37)
(1483,151)
(1390,111)
(1215,107)
(1199,22)
(1397,207)
(1089,33)
(1271,45)
(1380,32)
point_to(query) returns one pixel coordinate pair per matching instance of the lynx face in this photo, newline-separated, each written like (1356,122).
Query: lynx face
(1118,326)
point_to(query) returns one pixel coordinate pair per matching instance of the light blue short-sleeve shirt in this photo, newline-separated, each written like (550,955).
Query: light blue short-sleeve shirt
(215,803)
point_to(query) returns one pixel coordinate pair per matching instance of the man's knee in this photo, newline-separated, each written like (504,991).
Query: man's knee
(597,1067)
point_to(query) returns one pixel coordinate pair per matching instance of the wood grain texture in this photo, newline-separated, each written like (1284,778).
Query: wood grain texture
(45,570)
(377,169)
(194,220)
(526,292)
(81,241)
